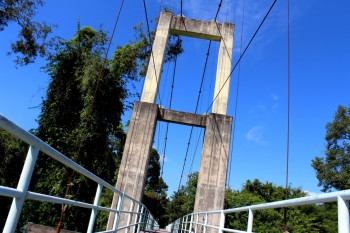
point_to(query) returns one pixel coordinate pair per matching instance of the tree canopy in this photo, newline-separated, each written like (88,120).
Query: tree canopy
(12,151)
(33,36)
(304,219)
(333,170)
(155,196)
(81,117)
(182,200)
(309,218)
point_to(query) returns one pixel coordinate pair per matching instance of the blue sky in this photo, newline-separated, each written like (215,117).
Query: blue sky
(320,58)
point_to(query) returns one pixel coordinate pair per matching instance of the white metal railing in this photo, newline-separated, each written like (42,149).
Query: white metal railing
(194,222)
(139,214)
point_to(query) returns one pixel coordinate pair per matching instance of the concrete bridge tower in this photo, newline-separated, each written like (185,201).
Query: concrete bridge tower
(215,152)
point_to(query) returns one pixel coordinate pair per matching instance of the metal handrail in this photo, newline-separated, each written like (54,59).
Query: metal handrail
(143,216)
(184,225)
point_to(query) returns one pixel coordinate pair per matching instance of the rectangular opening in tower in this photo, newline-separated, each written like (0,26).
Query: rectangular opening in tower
(179,155)
(191,89)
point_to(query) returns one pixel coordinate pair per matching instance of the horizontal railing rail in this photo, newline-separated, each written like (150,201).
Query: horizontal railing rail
(142,218)
(192,222)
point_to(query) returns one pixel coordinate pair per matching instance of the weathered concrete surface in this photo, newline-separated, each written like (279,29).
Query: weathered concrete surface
(37,228)
(223,70)
(156,61)
(168,24)
(213,166)
(212,174)
(183,118)
(138,145)
(195,28)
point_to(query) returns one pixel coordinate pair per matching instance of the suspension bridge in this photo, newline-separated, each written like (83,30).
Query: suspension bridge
(126,212)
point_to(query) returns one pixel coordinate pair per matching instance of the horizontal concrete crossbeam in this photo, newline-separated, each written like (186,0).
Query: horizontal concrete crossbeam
(183,118)
(195,28)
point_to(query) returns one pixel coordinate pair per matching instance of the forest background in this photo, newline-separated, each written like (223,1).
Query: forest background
(80,117)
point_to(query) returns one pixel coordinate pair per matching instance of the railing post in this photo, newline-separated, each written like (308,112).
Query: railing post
(23,184)
(343,215)
(222,221)
(250,221)
(184,224)
(195,229)
(118,213)
(153,222)
(178,224)
(137,215)
(205,222)
(147,221)
(94,211)
(191,226)
(129,215)
(140,220)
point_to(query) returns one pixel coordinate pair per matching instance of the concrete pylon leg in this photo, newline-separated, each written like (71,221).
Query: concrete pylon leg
(210,193)
(154,71)
(138,145)
(222,83)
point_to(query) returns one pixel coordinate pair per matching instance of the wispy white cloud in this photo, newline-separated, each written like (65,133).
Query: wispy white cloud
(274,97)
(200,10)
(251,13)
(255,134)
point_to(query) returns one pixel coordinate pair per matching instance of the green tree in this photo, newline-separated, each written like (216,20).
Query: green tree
(81,118)
(33,36)
(308,218)
(333,171)
(12,155)
(182,201)
(154,196)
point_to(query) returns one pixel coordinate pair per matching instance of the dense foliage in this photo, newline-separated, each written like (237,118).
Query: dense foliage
(309,218)
(182,201)
(155,197)
(81,118)
(333,171)
(33,36)
(10,169)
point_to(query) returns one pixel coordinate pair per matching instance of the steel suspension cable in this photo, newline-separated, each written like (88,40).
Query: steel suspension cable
(196,109)
(244,51)
(160,7)
(199,92)
(217,26)
(201,132)
(159,124)
(71,177)
(288,120)
(216,16)
(170,105)
(150,39)
(218,10)
(236,103)
(194,153)
(109,46)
